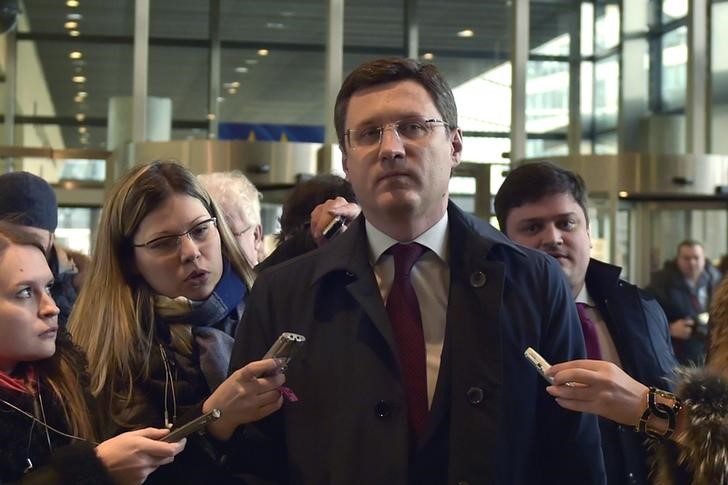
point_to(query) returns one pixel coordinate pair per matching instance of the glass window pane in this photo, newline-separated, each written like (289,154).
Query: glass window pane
(719,75)
(607,27)
(551,27)
(674,68)
(606,92)
(673,10)
(547,97)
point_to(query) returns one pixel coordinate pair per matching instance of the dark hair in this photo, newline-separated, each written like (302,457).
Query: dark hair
(304,198)
(382,71)
(689,243)
(534,181)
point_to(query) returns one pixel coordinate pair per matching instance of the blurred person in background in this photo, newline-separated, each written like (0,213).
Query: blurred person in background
(684,287)
(29,203)
(240,203)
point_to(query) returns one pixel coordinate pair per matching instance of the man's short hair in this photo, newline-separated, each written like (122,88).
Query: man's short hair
(383,71)
(689,243)
(304,198)
(532,182)
(233,192)
(28,200)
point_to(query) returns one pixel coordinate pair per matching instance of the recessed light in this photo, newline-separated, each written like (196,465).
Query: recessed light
(235,84)
(79,79)
(428,56)
(83,94)
(74,33)
(276,25)
(220,99)
(263,52)
(251,62)
(71,24)
(288,14)
(80,117)
(74,16)
(232,90)
(72,3)
(82,129)
(75,55)
(210,116)
(241,69)
(466,33)
(623,194)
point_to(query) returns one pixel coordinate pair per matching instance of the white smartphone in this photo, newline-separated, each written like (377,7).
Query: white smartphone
(539,363)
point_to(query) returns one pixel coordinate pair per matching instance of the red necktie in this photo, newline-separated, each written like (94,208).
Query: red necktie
(591,339)
(404,315)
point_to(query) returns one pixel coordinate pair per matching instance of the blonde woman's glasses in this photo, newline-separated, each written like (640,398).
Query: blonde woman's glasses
(199,233)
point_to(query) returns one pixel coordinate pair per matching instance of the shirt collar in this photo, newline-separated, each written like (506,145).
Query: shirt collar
(434,239)
(584,297)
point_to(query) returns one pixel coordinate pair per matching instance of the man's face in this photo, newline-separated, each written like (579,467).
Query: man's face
(398,178)
(691,261)
(556,225)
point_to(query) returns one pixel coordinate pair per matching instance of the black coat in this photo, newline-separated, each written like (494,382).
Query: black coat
(67,461)
(491,421)
(639,330)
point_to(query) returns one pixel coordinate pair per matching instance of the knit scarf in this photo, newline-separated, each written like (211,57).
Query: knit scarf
(213,322)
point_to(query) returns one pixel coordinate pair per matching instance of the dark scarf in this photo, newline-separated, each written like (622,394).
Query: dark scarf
(213,322)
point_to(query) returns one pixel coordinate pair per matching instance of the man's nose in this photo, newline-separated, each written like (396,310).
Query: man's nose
(551,236)
(391,145)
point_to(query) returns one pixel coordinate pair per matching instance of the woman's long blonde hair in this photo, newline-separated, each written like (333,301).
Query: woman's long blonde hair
(113,317)
(58,372)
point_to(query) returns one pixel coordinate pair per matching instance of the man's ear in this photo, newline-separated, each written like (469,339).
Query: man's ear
(258,236)
(456,146)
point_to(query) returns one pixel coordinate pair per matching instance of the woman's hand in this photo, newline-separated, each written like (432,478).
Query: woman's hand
(130,457)
(249,394)
(598,387)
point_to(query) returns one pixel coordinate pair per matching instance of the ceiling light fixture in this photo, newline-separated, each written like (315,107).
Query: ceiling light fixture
(82,94)
(232,90)
(74,33)
(263,52)
(466,33)
(71,24)
(74,16)
(241,69)
(72,3)
(428,56)
(82,129)
(276,25)
(80,117)
(251,62)
(79,79)
(75,55)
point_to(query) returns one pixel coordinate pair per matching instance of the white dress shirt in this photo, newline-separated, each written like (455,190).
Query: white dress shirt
(430,278)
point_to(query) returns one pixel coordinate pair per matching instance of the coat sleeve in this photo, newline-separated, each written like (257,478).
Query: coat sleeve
(75,464)
(571,441)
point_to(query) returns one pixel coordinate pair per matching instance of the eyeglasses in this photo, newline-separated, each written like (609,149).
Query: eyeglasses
(170,244)
(411,129)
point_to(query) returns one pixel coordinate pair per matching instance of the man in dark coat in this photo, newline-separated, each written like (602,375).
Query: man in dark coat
(684,287)
(454,400)
(30,202)
(544,207)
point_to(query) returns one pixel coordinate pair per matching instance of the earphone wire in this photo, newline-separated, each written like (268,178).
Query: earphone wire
(168,383)
(45,425)
(42,411)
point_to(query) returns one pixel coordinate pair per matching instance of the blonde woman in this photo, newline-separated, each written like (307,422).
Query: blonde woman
(46,431)
(165,291)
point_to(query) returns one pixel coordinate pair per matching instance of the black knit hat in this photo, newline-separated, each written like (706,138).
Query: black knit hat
(28,200)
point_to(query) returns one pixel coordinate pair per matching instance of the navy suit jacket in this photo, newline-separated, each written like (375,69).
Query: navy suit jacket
(491,420)
(641,336)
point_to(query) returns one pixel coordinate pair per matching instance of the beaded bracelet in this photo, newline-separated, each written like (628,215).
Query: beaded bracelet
(660,410)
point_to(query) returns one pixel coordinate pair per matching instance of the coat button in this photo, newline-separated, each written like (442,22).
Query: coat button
(382,409)
(475,395)
(477,279)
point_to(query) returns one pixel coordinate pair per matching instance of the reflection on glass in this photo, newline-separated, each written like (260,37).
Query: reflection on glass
(485,149)
(547,97)
(673,10)
(674,68)
(75,227)
(587,29)
(607,27)
(606,92)
(546,148)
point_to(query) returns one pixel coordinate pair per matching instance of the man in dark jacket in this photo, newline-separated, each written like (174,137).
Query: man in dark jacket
(414,373)
(684,287)
(30,202)
(544,207)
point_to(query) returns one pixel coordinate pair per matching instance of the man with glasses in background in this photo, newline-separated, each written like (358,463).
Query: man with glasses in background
(240,203)
(416,319)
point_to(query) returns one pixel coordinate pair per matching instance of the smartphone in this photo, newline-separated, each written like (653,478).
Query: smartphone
(334,227)
(539,363)
(285,348)
(192,427)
